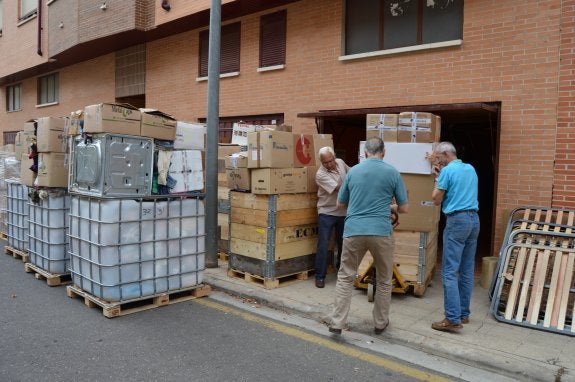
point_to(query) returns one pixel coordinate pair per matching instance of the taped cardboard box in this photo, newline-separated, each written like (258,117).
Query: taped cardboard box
(306,147)
(190,136)
(418,127)
(30,125)
(423,214)
(240,133)
(239,179)
(237,160)
(23,143)
(52,170)
(112,118)
(279,180)
(382,126)
(158,125)
(74,123)
(51,137)
(405,157)
(226,149)
(270,149)
(311,183)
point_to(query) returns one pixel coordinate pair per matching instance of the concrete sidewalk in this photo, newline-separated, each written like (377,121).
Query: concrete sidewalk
(518,352)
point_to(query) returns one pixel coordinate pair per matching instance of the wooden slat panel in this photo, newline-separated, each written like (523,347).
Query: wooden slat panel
(525,287)
(565,292)
(282,251)
(538,286)
(515,283)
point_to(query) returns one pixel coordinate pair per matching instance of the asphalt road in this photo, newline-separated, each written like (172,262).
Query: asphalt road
(47,336)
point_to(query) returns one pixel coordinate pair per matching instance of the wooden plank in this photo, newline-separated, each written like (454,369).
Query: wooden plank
(16,253)
(515,283)
(259,234)
(268,282)
(557,293)
(554,286)
(283,251)
(538,286)
(51,278)
(525,285)
(274,269)
(223,222)
(565,291)
(284,201)
(286,218)
(223,192)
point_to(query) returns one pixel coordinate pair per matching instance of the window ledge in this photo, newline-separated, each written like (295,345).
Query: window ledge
(50,2)
(47,104)
(270,68)
(14,111)
(407,49)
(232,74)
(27,19)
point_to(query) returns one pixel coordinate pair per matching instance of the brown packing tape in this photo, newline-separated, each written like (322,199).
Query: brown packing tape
(258,148)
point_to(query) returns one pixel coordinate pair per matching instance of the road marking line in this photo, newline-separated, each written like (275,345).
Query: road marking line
(330,344)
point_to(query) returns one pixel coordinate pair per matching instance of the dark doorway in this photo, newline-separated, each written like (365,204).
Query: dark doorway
(472,128)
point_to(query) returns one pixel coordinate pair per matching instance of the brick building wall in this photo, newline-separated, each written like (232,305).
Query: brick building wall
(564,174)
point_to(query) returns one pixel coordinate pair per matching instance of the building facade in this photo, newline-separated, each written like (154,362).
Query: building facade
(500,74)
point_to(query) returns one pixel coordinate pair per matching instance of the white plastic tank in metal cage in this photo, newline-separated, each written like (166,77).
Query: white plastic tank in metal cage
(17,215)
(123,249)
(48,224)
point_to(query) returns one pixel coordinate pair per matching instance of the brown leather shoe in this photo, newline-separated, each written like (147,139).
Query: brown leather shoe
(446,326)
(319,283)
(465,320)
(334,330)
(378,331)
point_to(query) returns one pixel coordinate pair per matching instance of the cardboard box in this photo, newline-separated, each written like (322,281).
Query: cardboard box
(239,178)
(311,183)
(30,125)
(382,126)
(279,180)
(225,150)
(74,124)
(240,133)
(27,176)
(407,158)
(190,136)
(270,149)
(23,143)
(158,125)
(306,147)
(52,170)
(51,137)
(112,118)
(423,214)
(238,160)
(419,127)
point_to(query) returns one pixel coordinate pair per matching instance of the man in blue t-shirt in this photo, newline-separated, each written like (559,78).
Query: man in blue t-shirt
(368,191)
(456,191)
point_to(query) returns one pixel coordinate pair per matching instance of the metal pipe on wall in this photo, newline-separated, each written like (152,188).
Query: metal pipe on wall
(39,11)
(213,122)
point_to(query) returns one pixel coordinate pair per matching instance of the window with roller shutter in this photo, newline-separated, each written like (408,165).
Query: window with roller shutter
(273,39)
(229,50)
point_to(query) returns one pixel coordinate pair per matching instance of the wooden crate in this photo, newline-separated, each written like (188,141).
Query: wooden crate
(223,222)
(273,227)
(415,257)
(270,274)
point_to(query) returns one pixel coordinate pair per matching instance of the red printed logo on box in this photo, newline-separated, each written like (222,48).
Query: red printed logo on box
(303,150)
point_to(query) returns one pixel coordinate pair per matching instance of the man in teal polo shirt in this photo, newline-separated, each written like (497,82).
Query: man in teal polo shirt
(368,191)
(456,191)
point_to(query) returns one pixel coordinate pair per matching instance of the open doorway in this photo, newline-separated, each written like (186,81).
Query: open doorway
(472,128)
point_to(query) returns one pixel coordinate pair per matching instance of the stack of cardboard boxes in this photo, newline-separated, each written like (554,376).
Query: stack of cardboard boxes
(273,228)
(408,137)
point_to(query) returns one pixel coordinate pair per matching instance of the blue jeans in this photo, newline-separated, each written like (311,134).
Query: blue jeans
(459,245)
(327,223)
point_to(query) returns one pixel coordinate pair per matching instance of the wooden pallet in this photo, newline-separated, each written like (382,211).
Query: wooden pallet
(222,256)
(268,283)
(3,236)
(51,278)
(122,308)
(17,253)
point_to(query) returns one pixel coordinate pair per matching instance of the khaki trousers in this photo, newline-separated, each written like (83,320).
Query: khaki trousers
(354,248)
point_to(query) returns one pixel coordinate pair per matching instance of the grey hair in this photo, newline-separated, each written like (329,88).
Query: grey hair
(445,147)
(326,150)
(374,146)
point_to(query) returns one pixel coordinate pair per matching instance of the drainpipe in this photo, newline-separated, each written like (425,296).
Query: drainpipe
(39,11)
(213,121)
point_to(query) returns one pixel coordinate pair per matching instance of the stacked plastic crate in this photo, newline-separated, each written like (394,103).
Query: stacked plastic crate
(136,212)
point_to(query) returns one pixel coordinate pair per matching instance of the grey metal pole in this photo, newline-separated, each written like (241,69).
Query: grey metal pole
(212,135)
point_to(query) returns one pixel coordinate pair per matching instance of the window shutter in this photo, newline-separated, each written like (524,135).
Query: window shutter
(273,39)
(230,49)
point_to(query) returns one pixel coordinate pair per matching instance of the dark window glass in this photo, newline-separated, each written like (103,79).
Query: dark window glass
(14,98)
(48,89)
